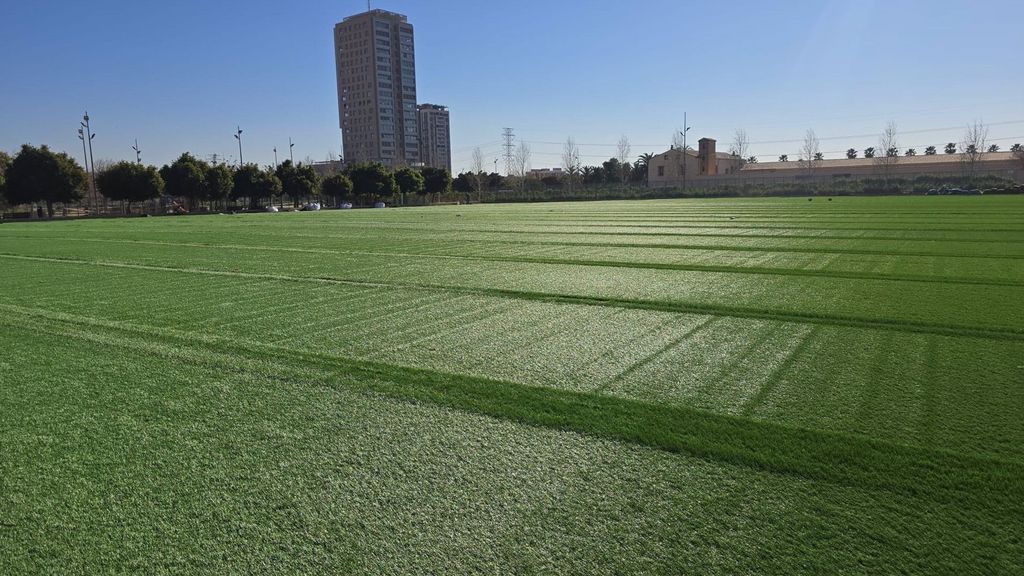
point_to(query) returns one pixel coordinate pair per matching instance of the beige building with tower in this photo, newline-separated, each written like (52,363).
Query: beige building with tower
(707,167)
(672,165)
(376,74)
(435,136)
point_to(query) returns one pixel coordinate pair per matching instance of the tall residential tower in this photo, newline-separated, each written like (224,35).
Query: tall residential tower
(435,138)
(376,71)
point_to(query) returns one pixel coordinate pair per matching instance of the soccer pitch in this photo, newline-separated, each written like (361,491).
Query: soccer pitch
(763,386)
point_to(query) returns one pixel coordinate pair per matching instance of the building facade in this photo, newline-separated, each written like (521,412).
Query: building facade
(709,168)
(376,74)
(435,136)
(669,167)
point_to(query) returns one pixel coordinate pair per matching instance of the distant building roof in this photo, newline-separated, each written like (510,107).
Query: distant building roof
(920,160)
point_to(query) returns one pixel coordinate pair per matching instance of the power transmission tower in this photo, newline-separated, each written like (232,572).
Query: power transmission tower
(510,148)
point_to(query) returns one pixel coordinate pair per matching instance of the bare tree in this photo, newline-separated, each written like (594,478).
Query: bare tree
(810,153)
(623,156)
(972,147)
(570,161)
(521,163)
(889,146)
(740,146)
(677,139)
(477,169)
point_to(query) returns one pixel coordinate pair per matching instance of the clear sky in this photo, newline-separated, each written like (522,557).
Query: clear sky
(182,75)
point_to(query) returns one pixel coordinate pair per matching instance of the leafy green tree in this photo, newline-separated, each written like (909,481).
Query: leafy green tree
(436,180)
(373,179)
(869,152)
(255,184)
(337,187)
(220,181)
(130,182)
(40,175)
(851,153)
(929,151)
(186,178)
(5,161)
(950,148)
(611,169)
(409,182)
(297,181)
(495,181)
(464,183)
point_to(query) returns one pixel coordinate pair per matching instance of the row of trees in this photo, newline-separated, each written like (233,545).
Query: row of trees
(39,175)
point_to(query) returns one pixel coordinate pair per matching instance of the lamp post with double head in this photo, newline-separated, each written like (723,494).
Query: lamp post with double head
(238,136)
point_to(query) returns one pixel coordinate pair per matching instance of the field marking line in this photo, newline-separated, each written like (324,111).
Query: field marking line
(990,332)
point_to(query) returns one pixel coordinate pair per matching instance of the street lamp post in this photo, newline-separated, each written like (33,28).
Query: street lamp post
(291,146)
(91,161)
(686,129)
(238,136)
(138,152)
(275,156)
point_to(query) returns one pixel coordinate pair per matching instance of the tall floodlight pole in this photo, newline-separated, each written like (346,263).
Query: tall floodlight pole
(138,153)
(238,136)
(275,155)
(85,155)
(291,147)
(92,162)
(686,128)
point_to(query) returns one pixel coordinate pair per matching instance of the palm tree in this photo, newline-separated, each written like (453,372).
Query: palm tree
(818,156)
(950,148)
(869,152)
(929,151)
(851,153)
(784,158)
(644,161)
(910,152)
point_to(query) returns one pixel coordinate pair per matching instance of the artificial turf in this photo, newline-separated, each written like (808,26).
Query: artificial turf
(728,386)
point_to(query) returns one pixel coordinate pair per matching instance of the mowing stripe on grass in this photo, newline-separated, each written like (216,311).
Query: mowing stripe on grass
(945,329)
(985,483)
(655,355)
(763,270)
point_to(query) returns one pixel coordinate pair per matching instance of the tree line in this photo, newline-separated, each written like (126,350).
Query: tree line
(40,175)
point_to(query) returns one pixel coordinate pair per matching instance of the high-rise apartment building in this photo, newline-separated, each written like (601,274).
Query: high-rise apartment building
(435,138)
(376,71)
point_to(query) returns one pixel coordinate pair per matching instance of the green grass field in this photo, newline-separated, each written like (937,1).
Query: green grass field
(756,386)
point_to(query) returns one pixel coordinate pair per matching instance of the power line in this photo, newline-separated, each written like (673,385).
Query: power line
(797,140)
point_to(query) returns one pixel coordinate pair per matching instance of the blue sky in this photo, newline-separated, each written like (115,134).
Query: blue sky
(181,75)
